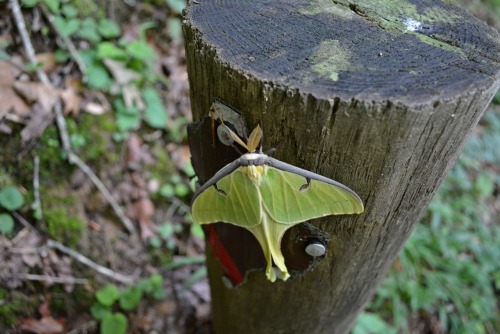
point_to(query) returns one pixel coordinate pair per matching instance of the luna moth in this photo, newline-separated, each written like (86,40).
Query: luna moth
(267,197)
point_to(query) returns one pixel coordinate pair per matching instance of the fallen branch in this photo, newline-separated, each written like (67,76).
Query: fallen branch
(128,280)
(61,122)
(51,279)
(24,222)
(37,203)
(102,188)
(87,327)
(69,45)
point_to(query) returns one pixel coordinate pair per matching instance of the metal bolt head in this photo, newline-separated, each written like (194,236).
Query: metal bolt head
(316,249)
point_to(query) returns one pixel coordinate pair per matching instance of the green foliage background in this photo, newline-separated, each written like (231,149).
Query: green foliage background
(447,278)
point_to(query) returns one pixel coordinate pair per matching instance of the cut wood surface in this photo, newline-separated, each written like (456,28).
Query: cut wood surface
(378,95)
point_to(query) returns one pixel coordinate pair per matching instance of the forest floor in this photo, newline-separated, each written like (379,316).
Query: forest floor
(95,230)
(125,102)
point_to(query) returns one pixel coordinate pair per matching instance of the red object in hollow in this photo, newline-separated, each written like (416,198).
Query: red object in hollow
(221,254)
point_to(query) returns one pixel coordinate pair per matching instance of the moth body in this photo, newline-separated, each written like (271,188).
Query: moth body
(267,197)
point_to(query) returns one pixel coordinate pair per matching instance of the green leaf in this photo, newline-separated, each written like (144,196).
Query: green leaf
(126,119)
(109,50)
(199,274)
(174,28)
(4,55)
(6,223)
(69,11)
(155,242)
(98,77)
(156,281)
(61,56)
(108,28)
(99,311)
(369,323)
(77,140)
(53,5)
(114,323)
(197,231)
(144,285)
(11,198)
(130,298)
(155,113)
(140,50)
(159,294)
(108,295)
(166,230)
(181,190)
(167,190)
(66,27)
(184,261)
(88,30)
(177,5)
(29,3)
(143,27)
(484,184)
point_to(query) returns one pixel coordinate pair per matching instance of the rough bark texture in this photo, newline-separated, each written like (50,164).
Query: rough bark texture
(378,95)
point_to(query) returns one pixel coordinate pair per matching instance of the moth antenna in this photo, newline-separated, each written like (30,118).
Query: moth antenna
(211,112)
(273,149)
(269,151)
(262,137)
(236,149)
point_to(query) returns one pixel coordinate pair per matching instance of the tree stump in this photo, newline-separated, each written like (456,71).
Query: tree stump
(378,95)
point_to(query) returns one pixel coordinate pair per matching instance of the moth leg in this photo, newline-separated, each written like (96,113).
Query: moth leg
(306,186)
(220,191)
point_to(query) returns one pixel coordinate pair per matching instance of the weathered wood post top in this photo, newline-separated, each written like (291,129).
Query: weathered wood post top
(379,95)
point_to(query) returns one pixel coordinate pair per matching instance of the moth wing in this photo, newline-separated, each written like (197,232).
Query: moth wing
(239,204)
(289,200)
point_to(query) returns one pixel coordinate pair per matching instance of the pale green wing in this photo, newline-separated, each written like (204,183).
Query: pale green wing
(240,205)
(289,200)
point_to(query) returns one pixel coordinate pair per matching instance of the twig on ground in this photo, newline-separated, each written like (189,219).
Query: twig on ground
(30,250)
(25,38)
(37,204)
(51,279)
(102,188)
(75,255)
(61,122)
(69,44)
(84,328)
(97,267)
(24,222)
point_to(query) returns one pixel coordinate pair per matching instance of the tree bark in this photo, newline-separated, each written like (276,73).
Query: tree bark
(378,95)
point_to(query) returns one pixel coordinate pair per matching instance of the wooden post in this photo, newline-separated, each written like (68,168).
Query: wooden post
(378,95)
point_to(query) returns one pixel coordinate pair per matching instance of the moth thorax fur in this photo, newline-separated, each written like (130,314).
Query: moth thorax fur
(254,173)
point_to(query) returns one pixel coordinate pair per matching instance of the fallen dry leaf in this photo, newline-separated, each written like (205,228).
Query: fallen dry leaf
(4,128)
(180,155)
(44,308)
(40,119)
(132,97)
(8,72)
(11,102)
(46,325)
(144,210)
(136,154)
(94,108)
(48,61)
(124,77)
(120,73)
(37,92)
(71,101)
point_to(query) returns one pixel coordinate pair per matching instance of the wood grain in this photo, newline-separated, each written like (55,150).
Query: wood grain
(349,91)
